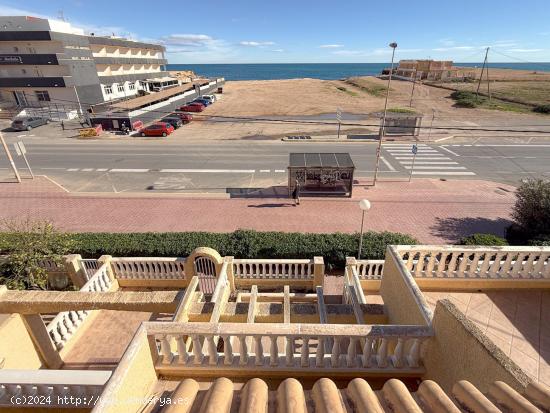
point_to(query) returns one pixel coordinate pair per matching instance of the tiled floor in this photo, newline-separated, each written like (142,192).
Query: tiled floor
(102,344)
(517,321)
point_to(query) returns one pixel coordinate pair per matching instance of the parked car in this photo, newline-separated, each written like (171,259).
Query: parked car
(185,117)
(175,121)
(204,102)
(210,98)
(29,122)
(157,129)
(193,107)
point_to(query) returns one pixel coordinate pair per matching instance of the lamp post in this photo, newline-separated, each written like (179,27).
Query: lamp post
(364,204)
(383,128)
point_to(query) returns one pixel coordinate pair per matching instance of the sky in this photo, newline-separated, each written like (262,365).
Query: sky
(283,31)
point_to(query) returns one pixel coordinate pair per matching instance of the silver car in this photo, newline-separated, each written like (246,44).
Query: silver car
(29,122)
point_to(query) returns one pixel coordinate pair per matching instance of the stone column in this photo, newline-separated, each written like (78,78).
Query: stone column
(318,271)
(106,259)
(230,273)
(41,338)
(75,270)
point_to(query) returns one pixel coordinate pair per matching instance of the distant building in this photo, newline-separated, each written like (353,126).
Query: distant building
(44,60)
(428,69)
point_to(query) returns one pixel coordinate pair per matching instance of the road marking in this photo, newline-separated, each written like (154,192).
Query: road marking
(21,136)
(280,171)
(435,167)
(517,145)
(72,170)
(265,170)
(129,170)
(87,169)
(102,169)
(240,171)
(389,165)
(443,173)
(429,163)
(410,149)
(448,150)
(424,158)
(51,168)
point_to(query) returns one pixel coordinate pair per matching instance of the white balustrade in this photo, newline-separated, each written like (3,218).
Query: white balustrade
(353,347)
(148,268)
(476,262)
(43,387)
(370,269)
(90,266)
(65,324)
(51,266)
(273,269)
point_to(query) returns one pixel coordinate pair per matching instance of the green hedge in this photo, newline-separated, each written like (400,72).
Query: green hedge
(483,239)
(333,247)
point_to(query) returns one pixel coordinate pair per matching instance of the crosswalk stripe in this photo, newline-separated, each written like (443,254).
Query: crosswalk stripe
(129,170)
(435,167)
(428,163)
(244,171)
(443,173)
(424,158)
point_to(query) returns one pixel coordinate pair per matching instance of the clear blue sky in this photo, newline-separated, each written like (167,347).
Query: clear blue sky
(256,31)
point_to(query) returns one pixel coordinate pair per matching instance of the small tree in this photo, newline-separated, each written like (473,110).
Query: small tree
(532,209)
(29,243)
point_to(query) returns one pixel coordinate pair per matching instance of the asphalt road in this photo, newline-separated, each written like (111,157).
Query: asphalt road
(232,166)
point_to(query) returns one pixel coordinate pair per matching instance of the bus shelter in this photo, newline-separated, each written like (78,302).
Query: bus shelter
(321,174)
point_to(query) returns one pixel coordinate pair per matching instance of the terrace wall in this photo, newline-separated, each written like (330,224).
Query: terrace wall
(18,351)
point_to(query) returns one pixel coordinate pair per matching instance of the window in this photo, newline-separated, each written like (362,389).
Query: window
(42,95)
(132,86)
(121,88)
(108,90)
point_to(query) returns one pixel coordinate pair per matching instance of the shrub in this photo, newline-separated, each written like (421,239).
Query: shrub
(466,99)
(333,247)
(531,211)
(542,109)
(29,243)
(483,239)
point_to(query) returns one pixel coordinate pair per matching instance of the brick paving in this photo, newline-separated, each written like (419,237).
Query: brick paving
(516,321)
(432,210)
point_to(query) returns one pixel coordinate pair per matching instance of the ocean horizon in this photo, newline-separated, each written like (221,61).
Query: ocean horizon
(324,71)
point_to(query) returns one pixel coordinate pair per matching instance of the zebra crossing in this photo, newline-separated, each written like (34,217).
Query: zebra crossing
(429,160)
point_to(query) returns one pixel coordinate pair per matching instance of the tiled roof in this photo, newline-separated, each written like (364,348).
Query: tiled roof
(325,397)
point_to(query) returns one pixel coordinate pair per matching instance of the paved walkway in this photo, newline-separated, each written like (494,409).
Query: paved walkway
(432,210)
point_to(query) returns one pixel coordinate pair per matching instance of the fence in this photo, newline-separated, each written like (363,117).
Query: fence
(149,272)
(66,323)
(284,348)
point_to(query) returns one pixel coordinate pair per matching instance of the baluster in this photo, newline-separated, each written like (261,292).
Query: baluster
(304,354)
(63,329)
(320,353)
(335,355)
(485,265)
(419,270)
(56,338)
(274,352)
(212,350)
(352,352)
(508,263)
(494,269)
(81,315)
(243,359)
(183,354)
(382,355)
(290,351)
(397,357)
(463,264)
(165,350)
(197,349)
(519,268)
(227,350)
(414,353)
(74,319)
(259,351)
(71,328)
(367,349)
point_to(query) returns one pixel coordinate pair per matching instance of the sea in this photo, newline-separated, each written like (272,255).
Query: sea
(325,71)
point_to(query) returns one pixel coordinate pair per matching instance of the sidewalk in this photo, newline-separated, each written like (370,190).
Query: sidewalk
(431,210)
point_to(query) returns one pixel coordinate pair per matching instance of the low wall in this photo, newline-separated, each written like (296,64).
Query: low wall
(18,352)
(133,379)
(403,300)
(461,351)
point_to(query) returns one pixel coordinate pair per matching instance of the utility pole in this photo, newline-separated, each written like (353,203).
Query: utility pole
(412,91)
(8,154)
(383,128)
(482,70)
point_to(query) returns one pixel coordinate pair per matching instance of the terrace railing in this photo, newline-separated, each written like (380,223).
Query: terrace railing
(48,388)
(283,348)
(149,271)
(370,269)
(90,266)
(477,262)
(66,323)
(273,269)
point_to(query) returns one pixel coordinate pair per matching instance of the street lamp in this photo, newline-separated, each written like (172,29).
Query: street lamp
(383,128)
(364,204)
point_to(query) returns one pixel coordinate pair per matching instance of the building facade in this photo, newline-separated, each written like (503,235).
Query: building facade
(427,69)
(44,60)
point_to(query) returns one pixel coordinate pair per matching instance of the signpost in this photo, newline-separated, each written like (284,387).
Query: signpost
(414,150)
(8,154)
(339,119)
(22,151)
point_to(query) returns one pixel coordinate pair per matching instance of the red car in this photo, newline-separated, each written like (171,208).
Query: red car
(158,129)
(185,117)
(193,107)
